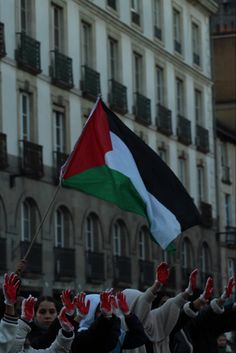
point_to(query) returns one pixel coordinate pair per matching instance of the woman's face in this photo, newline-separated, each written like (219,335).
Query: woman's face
(46,313)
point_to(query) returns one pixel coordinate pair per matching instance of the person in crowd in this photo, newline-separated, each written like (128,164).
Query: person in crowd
(158,323)
(199,334)
(100,331)
(63,341)
(222,345)
(8,324)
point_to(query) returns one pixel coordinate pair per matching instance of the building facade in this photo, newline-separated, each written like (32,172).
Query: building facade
(151,61)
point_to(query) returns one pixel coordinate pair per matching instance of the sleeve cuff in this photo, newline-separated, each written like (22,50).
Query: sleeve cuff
(188,311)
(216,307)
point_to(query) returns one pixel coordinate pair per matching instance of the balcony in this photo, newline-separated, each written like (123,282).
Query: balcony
(135,17)
(225,174)
(3,151)
(95,266)
(163,120)
(59,159)
(3,254)
(64,263)
(118,97)
(177,46)
(157,32)
(27,54)
(202,139)
(196,59)
(122,270)
(230,236)
(34,260)
(61,70)
(90,84)
(146,273)
(184,130)
(2,41)
(142,109)
(31,161)
(206,214)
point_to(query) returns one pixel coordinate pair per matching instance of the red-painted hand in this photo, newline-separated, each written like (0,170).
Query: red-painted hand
(208,290)
(27,308)
(123,303)
(64,322)
(192,282)
(106,304)
(83,308)
(162,273)
(10,287)
(229,288)
(67,302)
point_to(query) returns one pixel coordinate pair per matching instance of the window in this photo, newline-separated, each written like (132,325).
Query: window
(205,262)
(160,85)
(143,245)
(135,11)
(57,24)
(177,31)
(60,229)
(25,116)
(113,58)
(119,239)
(28,220)
(92,233)
(201,182)
(231,267)
(86,43)
(59,130)
(112,4)
(198,106)
(163,153)
(228,210)
(25,16)
(180,96)
(138,73)
(157,18)
(135,5)
(224,154)
(182,170)
(196,44)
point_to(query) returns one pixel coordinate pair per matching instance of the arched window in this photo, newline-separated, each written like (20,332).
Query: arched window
(62,228)
(143,244)
(186,254)
(92,233)
(28,219)
(120,239)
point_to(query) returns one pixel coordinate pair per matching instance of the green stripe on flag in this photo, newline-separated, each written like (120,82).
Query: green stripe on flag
(109,185)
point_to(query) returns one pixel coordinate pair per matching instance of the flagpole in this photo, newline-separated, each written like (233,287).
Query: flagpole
(42,222)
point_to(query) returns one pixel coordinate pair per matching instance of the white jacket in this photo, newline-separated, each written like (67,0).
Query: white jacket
(7,333)
(61,344)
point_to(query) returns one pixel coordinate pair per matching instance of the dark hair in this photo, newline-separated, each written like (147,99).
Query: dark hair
(46,298)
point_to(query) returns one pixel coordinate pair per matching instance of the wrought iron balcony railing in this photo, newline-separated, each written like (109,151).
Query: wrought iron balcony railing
(146,270)
(135,17)
(178,47)
(35,256)
(206,214)
(118,97)
(196,59)
(202,139)
(64,263)
(3,151)
(230,236)
(163,120)
(225,174)
(95,267)
(31,159)
(59,159)
(28,53)
(122,269)
(184,130)
(157,32)
(2,41)
(3,254)
(61,70)
(90,84)
(142,109)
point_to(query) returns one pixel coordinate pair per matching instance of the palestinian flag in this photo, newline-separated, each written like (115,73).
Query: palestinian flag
(112,163)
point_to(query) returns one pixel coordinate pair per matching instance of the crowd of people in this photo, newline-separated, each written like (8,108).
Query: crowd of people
(114,322)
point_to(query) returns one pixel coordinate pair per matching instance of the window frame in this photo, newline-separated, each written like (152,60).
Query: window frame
(25,116)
